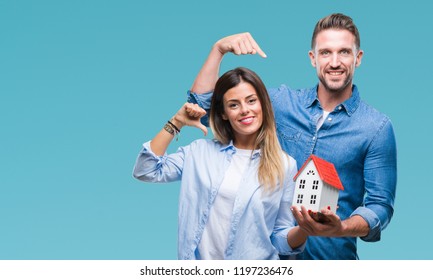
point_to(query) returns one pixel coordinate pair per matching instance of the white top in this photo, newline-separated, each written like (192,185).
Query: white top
(216,232)
(322,119)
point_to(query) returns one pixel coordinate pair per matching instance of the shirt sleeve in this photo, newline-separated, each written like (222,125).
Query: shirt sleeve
(204,101)
(159,169)
(285,219)
(273,93)
(380,176)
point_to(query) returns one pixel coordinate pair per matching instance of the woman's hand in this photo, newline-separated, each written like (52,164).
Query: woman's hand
(189,114)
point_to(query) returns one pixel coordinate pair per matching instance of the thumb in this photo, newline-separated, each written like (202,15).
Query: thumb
(200,126)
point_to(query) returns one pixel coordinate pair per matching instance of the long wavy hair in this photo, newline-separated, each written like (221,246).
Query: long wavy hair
(271,167)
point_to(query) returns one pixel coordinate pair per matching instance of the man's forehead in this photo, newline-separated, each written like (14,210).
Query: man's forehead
(335,38)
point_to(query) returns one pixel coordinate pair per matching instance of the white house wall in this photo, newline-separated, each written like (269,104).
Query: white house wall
(329,197)
(309,174)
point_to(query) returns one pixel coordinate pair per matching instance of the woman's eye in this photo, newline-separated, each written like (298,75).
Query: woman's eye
(252,101)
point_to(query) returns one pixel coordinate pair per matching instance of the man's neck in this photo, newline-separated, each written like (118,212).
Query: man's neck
(331,99)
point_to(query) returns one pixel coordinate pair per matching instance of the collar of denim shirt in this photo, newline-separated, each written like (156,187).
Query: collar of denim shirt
(350,105)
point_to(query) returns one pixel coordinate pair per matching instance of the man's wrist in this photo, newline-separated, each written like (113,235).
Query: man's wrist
(354,226)
(216,51)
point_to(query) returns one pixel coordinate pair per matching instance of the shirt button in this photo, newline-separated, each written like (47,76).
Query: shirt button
(314,137)
(339,107)
(329,119)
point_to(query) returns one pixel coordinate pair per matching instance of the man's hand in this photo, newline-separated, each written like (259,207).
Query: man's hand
(331,227)
(242,43)
(239,44)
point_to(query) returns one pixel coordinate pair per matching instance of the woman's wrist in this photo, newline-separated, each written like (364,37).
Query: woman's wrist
(176,123)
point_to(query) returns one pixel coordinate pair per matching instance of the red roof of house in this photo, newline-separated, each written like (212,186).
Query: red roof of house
(327,171)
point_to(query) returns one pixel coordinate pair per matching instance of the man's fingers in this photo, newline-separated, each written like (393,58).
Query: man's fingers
(241,44)
(261,53)
(256,46)
(235,48)
(247,47)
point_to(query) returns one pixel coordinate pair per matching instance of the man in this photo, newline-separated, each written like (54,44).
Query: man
(331,121)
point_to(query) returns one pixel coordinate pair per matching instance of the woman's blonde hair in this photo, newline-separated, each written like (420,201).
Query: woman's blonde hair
(271,167)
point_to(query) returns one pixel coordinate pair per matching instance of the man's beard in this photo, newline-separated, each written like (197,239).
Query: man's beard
(336,89)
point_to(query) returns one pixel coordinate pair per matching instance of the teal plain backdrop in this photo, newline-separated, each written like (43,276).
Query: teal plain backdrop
(84,83)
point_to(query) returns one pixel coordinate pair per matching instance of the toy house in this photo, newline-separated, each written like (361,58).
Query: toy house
(317,185)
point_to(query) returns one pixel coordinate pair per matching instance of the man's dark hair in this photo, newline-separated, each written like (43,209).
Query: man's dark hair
(338,22)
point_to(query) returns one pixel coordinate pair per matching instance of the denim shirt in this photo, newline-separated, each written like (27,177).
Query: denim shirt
(260,220)
(358,140)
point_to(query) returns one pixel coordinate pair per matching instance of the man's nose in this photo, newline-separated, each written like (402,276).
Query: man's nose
(335,61)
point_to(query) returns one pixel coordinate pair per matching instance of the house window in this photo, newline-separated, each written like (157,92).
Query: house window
(311,172)
(315,184)
(300,197)
(302,184)
(313,199)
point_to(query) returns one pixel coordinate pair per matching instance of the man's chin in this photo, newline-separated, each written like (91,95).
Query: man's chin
(336,86)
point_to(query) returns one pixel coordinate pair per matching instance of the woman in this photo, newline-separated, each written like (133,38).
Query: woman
(236,190)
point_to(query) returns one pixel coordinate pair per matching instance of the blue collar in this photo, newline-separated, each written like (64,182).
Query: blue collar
(350,105)
(230,148)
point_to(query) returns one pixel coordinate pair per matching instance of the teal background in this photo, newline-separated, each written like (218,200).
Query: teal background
(84,83)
